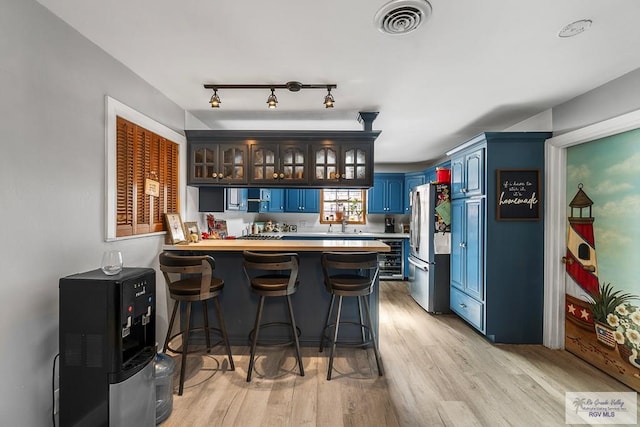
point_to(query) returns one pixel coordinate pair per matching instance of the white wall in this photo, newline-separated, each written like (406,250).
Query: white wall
(618,97)
(52,136)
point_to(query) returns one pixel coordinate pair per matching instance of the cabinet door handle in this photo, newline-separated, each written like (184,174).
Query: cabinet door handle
(463,190)
(463,245)
(281,175)
(463,305)
(275,175)
(337,176)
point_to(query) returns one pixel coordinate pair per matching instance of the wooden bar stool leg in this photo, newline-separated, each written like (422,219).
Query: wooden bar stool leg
(326,323)
(205,314)
(173,318)
(295,335)
(185,345)
(335,338)
(373,337)
(223,329)
(256,329)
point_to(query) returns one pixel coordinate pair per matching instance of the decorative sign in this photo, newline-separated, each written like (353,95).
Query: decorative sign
(518,195)
(151,187)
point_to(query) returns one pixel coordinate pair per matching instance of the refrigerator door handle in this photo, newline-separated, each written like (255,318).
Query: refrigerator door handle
(419,265)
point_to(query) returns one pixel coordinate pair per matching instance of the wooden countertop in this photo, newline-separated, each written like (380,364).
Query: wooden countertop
(239,245)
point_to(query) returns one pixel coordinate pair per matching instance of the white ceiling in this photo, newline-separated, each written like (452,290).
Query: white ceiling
(473,66)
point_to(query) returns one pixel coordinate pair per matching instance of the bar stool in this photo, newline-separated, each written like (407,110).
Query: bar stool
(199,285)
(350,274)
(272,275)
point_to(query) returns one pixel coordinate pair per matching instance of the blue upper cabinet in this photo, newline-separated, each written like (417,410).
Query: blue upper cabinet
(237,199)
(387,194)
(302,201)
(274,199)
(411,181)
(467,174)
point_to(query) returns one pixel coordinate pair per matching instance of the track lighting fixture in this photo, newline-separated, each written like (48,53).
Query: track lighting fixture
(215,100)
(292,86)
(272,100)
(328,100)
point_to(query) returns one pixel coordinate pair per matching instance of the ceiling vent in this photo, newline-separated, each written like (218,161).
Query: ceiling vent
(402,16)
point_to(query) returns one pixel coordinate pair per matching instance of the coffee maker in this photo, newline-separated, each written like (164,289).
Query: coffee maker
(389,225)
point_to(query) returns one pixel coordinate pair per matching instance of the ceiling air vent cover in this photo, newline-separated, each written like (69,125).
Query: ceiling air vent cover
(402,16)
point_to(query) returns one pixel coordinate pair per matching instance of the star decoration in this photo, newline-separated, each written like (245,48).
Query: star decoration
(584,314)
(572,309)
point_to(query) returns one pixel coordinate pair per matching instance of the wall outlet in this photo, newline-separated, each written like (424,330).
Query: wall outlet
(56,401)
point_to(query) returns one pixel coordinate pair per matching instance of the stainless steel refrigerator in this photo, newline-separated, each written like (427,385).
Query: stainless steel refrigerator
(430,247)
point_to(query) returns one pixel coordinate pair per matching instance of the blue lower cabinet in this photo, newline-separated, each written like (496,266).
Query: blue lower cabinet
(302,201)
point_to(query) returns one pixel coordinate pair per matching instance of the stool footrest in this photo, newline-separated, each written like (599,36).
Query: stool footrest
(266,343)
(191,337)
(343,343)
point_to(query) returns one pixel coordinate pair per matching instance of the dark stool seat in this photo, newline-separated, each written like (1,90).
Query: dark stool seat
(199,285)
(267,278)
(350,274)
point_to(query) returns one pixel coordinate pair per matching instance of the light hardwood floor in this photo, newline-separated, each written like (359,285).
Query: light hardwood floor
(438,372)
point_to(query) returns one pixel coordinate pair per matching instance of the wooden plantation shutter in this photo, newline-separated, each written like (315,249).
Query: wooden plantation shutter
(141,154)
(143,168)
(124,175)
(171,180)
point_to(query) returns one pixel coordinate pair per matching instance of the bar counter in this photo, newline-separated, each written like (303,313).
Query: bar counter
(281,245)
(310,302)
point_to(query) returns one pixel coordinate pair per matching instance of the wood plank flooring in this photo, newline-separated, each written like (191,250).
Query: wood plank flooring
(438,372)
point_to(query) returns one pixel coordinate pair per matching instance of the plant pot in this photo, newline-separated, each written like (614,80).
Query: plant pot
(626,355)
(604,334)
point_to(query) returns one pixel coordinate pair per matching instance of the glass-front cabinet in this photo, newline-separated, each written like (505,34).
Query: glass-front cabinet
(280,159)
(218,164)
(278,163)
(341,163)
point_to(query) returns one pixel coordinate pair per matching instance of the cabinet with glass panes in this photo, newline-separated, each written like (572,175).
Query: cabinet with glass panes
(217,163)
(339,204)
(278,163)
(341,163)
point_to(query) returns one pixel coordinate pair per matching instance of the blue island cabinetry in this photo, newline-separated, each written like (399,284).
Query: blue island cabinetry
(496,265)
(310,302)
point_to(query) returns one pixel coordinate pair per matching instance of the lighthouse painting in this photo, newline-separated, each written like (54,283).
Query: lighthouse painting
(602,307)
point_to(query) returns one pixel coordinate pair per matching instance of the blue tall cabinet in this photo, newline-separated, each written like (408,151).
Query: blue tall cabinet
(496,265)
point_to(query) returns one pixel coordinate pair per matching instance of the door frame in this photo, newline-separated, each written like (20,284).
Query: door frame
(555,214)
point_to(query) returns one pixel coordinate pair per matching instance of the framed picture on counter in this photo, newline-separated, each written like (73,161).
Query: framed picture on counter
(175,228)
(191,229)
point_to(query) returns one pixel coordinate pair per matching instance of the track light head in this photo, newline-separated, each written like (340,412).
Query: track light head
(328,100)
(272,100)
(215,100)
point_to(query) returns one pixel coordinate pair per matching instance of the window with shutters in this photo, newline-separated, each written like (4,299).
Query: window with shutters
(142,155)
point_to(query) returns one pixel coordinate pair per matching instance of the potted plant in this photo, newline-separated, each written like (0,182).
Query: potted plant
(626,320)
(603,304)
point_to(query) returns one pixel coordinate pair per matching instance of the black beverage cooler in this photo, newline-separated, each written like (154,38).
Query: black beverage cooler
(107,348)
